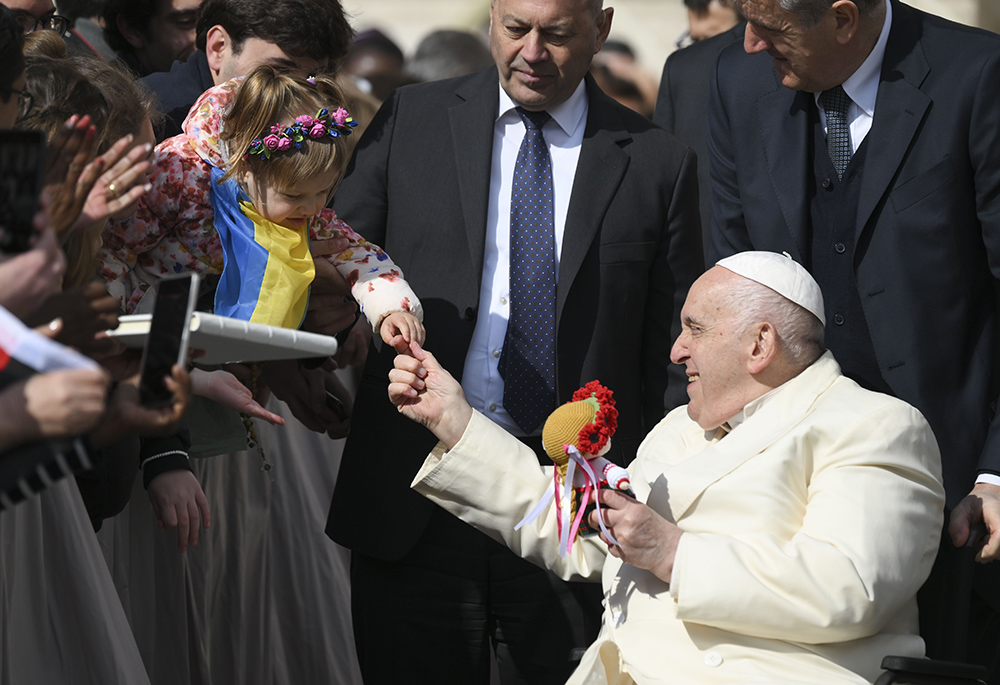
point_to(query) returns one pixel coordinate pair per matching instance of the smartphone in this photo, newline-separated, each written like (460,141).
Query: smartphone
(167,342)
(22,174)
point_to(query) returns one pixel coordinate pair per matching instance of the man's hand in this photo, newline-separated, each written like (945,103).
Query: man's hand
(424,392)
(354,351)
(65,403)
(127,415)
(26,278)
(86,311)
(645,539)
(981,505)
(330,308)
(304,391)
(179,502)
(223,387)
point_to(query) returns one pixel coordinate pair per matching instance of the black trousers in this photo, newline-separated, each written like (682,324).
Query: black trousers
(433,616)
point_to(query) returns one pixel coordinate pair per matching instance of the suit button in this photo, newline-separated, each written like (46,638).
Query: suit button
(838,319)
(713,659)
(839,247)
(470,314)
(827,183)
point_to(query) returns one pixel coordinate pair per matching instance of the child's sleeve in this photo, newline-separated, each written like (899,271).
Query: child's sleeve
(376,282)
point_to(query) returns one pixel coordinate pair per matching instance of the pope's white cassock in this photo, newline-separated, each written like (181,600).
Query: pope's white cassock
(808,529)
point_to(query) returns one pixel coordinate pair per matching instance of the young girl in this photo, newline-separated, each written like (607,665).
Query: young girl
(241,193)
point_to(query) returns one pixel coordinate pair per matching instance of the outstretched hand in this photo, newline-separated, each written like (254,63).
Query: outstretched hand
(982,505)
(645,539)
(425,392)
(226,389)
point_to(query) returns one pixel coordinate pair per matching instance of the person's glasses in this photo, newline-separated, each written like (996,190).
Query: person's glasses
(24,101)
(50,22)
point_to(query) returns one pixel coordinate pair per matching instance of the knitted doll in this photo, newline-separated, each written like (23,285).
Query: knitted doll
(576,436)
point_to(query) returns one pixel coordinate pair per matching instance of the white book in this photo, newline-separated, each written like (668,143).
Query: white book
(227,340)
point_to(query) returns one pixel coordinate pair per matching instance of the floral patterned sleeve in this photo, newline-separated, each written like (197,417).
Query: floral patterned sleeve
(375,280)
(171,231)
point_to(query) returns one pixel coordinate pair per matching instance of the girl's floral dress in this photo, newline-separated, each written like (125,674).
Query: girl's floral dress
(172,229)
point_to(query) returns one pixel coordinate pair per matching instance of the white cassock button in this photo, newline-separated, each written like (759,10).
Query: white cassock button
(713,659)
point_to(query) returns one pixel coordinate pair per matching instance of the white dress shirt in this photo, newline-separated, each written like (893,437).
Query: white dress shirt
(862,88)
(563,134)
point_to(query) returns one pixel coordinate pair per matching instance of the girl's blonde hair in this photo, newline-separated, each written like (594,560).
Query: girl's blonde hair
(266,98)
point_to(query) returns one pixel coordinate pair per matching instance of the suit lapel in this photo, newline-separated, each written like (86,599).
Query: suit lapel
(899,109)
(599,172)
(472,122)
(783,121)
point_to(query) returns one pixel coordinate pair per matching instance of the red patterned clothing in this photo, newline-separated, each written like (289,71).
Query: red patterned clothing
(172,231)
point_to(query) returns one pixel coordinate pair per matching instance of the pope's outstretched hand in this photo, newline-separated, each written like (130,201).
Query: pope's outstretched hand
(425,392)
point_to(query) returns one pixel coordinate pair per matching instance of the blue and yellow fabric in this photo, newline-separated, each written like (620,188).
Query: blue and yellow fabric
(267,268)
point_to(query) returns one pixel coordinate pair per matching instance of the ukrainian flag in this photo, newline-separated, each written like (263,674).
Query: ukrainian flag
(267,268)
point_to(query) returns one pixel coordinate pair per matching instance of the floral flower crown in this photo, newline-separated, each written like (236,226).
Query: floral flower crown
(595,435)
(282,138)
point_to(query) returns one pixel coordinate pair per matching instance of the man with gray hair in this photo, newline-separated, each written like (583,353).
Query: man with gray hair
(862,137)
(783,519)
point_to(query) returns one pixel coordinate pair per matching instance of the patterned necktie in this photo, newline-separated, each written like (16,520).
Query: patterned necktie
(528,361)
(838,135)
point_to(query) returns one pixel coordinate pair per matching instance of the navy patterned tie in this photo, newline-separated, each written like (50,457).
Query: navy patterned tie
(528,361)
(838,136)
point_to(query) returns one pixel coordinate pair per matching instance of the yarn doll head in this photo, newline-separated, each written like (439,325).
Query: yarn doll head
(586,422)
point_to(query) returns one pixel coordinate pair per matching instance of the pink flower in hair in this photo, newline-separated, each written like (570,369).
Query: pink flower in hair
(318,130)
(340,116)
(305,120)
(271,142)
(284,143)
(275,128)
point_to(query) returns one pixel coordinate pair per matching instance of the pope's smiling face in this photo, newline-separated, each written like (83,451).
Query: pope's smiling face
(543,48)
(711,347)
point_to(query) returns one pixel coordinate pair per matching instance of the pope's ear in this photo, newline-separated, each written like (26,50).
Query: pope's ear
(764,348)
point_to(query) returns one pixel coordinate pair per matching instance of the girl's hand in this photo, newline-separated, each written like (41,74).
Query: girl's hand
(399,329)
(179,502)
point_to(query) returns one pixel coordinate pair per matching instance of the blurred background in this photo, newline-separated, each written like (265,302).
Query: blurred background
(651,27)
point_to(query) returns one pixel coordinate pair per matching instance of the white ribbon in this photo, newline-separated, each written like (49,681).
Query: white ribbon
(589,470)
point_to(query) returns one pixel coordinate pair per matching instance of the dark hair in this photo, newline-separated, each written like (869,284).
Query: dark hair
(136,13)
(317,29)
(11,47)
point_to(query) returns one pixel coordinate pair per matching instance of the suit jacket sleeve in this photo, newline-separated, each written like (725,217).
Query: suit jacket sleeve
(867,539)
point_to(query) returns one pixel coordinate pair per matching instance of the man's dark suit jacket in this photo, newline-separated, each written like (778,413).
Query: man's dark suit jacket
(178,89)
(682,107)
(419,186)
(928,226)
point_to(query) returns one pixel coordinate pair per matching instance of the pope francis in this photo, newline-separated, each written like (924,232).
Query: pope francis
(783,521)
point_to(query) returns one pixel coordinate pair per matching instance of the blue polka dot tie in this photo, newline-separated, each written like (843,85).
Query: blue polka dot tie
(838,135)
(528,361)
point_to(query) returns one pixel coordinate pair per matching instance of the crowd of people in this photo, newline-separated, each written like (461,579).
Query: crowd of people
(785,271)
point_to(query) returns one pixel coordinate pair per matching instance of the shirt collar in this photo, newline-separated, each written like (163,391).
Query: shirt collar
(751,408)
(569,115)
(862,86)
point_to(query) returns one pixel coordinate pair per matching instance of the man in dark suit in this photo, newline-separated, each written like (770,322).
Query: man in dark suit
(891,197)
(431,182)
(682,106)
